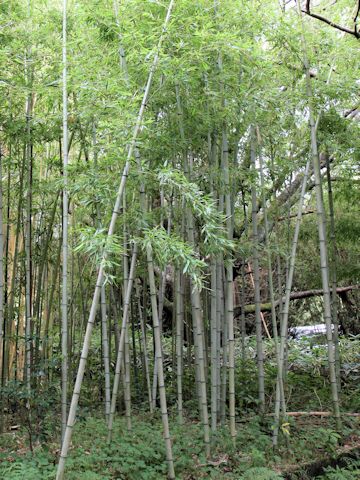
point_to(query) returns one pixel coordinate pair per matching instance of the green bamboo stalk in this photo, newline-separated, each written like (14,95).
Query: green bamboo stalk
(334,300)
(321,231)
(65,221)
(159,360)
(213,322)
(127,386)
(259,343)
(105,348)
(104,326)
(198,339)
(179,342)
(279,385)
(121,344)
(286,303)
(229,287)
(144,346)
(1,288)
(219,322)
(100,277)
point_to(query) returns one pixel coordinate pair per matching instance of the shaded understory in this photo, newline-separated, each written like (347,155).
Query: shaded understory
(307,443)
(139,454)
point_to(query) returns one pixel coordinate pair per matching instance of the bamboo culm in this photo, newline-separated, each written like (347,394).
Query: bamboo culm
(321,231)
(65,220)
(259,343)
(100,276)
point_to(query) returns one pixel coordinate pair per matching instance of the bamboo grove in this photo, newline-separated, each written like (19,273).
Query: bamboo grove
(157,160)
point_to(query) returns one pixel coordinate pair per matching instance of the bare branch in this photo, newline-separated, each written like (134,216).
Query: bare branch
(356,16)
(331,23)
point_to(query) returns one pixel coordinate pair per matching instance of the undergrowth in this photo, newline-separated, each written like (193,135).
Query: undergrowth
(139,454)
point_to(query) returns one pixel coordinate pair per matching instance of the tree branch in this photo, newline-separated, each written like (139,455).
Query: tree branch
(357,13)
(331,23)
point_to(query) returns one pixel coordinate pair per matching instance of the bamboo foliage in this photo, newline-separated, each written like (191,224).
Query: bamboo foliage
(195,248)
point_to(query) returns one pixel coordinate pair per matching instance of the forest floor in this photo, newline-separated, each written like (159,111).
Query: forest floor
(307,444)
(139,454)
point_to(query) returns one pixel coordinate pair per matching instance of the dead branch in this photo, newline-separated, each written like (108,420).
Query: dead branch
(266,307)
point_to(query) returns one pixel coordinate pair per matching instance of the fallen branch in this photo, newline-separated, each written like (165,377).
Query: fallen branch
(294,215)
(266,307)
(316,414)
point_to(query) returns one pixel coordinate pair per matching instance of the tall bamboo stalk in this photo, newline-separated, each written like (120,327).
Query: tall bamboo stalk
(229,286)
(280,385)
(179,299)
(65,221)
(159,361)
(321,230)
(144,346)
(259,343)
(286,303)
(28,302)
(334,300)
(1,288)
(105,349)
(121,345)
(104,326)
(213,323)
(199,345)
(219,322)
(127,393)
(100,276)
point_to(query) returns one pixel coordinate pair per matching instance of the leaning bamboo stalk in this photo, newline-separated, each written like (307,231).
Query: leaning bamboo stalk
(100,277)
